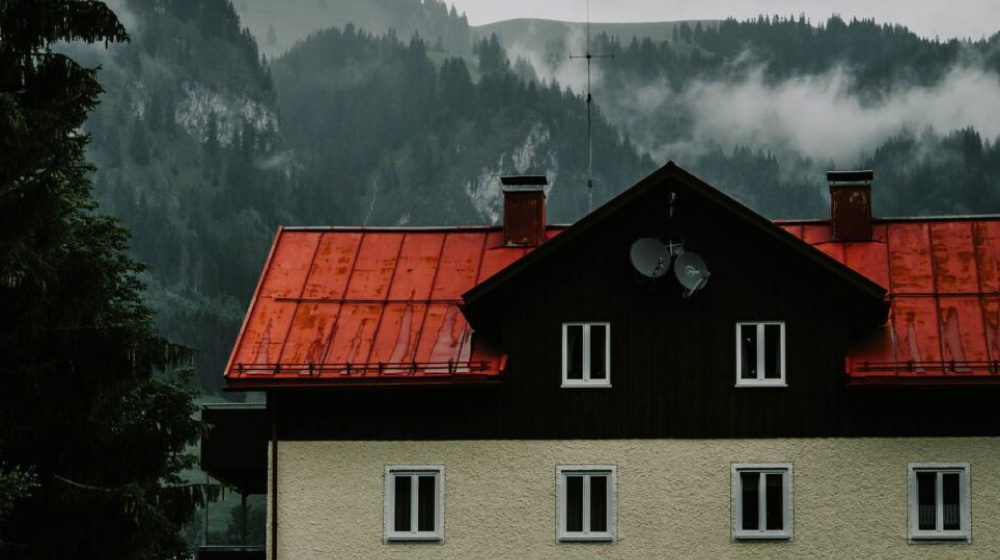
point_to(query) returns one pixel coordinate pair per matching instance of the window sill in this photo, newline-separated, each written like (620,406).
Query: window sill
(761,385)
(773,537)
(585,385)
(586,538)
(413,538)
(940,539)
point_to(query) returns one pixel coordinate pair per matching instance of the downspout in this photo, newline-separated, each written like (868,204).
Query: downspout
(274,487)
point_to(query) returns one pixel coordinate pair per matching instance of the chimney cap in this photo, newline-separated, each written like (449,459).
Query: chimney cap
(850,177)
(531,182)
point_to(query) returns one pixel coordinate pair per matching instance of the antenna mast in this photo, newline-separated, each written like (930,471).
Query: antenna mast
(590,137)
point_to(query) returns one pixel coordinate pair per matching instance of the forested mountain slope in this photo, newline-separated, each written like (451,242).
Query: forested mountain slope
(278,26)
(386,138)
(188,155)
(203,148)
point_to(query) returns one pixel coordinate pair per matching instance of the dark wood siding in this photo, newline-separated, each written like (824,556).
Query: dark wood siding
(673,359)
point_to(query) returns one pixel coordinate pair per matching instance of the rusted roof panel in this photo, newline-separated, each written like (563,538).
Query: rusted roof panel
(374,266)
(459,265)
(986,236)
(332,266)
(496,257)
(309,335)
(398,333)
(910,269)
(954,258)
(869,259)
(419,253)
(991,322)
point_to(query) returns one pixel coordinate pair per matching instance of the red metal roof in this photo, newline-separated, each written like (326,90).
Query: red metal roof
(380,306)
(943,279)
(369,306)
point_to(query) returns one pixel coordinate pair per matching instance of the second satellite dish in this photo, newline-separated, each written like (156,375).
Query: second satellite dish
(650,257)
(691,272)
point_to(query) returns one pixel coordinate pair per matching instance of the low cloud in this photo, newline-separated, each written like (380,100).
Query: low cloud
(128,18)
(820,118)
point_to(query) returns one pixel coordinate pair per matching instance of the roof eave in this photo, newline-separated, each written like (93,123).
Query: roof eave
(269,384)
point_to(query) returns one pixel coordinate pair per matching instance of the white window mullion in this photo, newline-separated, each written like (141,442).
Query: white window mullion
(761,349)
(586,353)
(586,504)
(414,506)
(939,502)
(762,501)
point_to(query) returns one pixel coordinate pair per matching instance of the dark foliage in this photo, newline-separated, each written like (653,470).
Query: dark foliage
(86,408)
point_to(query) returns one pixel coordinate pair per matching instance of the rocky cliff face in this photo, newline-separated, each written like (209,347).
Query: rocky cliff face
(196,108)
(536,154)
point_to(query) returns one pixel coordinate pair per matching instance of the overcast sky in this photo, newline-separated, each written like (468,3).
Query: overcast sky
(930,18)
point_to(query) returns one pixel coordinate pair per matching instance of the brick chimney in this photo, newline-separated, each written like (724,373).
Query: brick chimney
(851,205)
(523,210)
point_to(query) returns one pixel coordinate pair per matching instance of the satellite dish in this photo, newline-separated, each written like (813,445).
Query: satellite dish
(691,272)
(650,257)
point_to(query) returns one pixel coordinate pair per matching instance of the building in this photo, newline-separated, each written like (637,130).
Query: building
(557,392)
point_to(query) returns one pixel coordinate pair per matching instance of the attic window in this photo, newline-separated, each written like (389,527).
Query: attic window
(760,354)
(586,355)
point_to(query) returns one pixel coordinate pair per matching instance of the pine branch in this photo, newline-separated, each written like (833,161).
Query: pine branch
(87,486)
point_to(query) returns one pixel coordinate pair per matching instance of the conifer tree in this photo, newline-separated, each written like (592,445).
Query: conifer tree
(92,431)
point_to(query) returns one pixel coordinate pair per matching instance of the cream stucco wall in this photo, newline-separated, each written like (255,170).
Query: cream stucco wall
(673,497)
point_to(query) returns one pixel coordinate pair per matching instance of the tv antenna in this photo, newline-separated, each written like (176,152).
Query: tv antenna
(590,137)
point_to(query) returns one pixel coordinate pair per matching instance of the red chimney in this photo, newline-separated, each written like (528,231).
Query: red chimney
(851,204)
(523,210)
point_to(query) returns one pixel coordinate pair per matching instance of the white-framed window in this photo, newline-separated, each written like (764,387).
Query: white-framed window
(760,354)
(939,507)
(414,503)
(586,503)
(586,354)
(762,502)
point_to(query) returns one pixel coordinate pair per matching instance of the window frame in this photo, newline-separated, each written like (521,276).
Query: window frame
(761,380)
(391,534)
(611,534)
(917,535)
(787,533)
(585,346)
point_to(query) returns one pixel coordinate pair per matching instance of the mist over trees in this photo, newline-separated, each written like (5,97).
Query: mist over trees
(761,107)
(403,141)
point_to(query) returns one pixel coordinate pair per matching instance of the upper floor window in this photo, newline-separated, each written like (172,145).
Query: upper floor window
(939,502)
(760,354)
(762,501)
(414,503)
(586,355)
(586,503)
